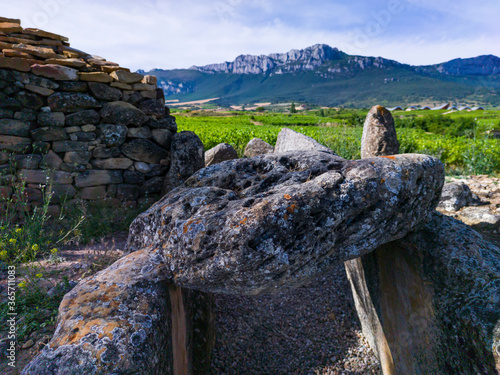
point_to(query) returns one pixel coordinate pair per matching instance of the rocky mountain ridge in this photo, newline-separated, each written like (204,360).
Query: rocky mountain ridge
(321,56)
(325,75)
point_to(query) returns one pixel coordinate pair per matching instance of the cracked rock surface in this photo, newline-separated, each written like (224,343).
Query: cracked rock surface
(249,226)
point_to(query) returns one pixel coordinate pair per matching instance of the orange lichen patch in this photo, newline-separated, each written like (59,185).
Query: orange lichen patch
(99,353)
(292,208)
(287,196)
(186,226)
(243,222)
(285,216)
(108,329)
(381,109)
(382,180)
(82,328)
(388,157)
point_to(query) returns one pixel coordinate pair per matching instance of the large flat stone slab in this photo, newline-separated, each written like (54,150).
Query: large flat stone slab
(248,226)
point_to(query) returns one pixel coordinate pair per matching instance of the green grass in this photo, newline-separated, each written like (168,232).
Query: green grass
(458,140)
(30,235)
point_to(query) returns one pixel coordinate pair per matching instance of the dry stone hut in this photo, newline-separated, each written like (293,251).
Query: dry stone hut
(84,126)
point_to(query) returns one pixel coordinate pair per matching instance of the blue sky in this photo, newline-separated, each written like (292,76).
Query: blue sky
(178,34)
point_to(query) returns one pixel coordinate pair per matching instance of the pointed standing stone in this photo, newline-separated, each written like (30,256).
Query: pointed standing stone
(379,134)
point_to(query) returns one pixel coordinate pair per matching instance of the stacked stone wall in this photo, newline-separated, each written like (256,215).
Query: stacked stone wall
(77,126)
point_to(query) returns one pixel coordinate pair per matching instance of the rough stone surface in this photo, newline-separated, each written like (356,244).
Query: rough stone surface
(44,177)
(167,122)
(105,92)
(116,163)
(247,226)
(98,177)
(163,137)
(480,216)
(186,157)
(123,113)
(379,134)
(49,134)
(220,153)
(123,76)
(257,147)
(51,119)
(15,144)
(88,116)
(144,150)
(456,195)
(436,293)
(77,157)
(71,102)
(14,127)
(25,161)
(152,186)
(290,140)
(142,132)
(51,161)
(127,319)
(113,135)
(56,72)
(69,146)
(116,320)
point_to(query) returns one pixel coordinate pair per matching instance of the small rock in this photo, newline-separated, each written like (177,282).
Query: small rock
(456,195)
(257,147)
(289,140)
(220,153)
(28,344)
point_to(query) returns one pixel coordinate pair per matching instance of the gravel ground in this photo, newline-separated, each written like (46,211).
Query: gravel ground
(309,330)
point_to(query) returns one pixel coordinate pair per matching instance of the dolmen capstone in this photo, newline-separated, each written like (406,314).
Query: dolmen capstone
(244,226)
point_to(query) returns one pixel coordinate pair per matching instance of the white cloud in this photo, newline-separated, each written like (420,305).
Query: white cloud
(178,34)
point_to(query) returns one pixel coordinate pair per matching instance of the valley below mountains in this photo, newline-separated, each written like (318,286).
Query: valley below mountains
(327,76)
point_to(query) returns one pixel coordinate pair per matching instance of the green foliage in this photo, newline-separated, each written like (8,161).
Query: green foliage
(470,155)
(438,124)
(355,87)
(260,109)
(292,108)
(27,233)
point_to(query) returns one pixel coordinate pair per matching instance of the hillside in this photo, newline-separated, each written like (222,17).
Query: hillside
(324,75)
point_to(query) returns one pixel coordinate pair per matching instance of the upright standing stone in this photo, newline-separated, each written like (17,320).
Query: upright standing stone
(187,157)
(427,303)
(379,134)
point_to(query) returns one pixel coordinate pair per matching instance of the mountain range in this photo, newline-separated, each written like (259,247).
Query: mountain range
(327,76)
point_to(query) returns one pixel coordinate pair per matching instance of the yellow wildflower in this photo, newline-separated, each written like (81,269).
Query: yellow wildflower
(35,247)
(39,275)
(53,251)
(19,230)
(22,285)
(3,254)
(13,241)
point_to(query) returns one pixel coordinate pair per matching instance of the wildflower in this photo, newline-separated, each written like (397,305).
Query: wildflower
(53,251)
(39,275)
(35,247)
(3,254)
(22,285)
(19,230)
(13,241)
